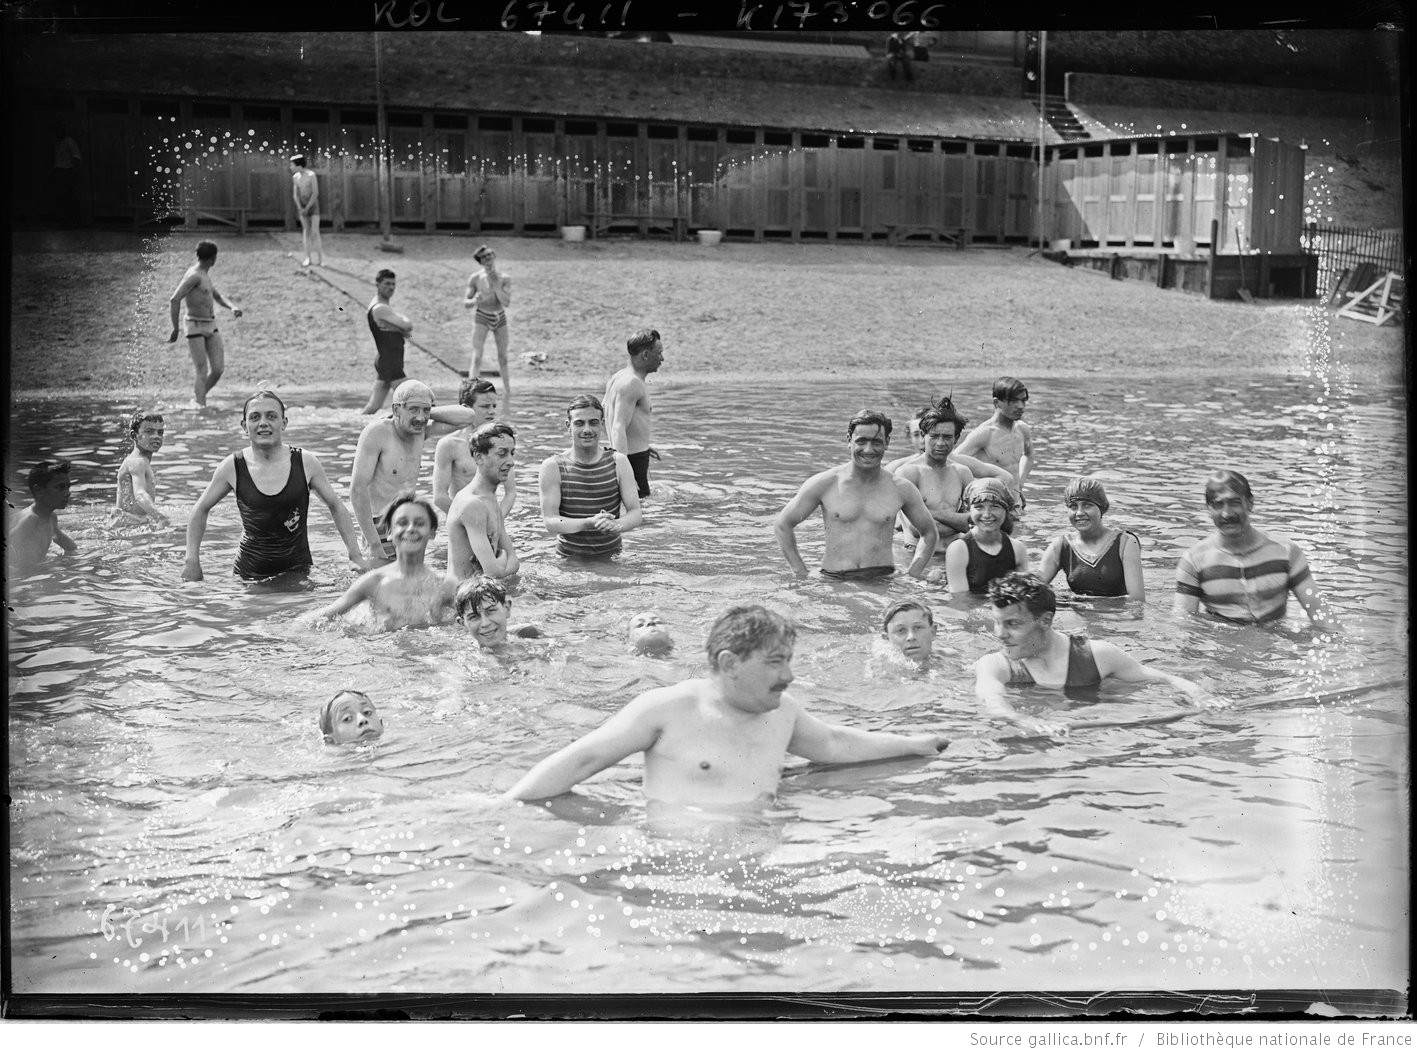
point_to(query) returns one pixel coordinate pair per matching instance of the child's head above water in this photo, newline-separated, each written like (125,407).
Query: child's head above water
(483,607)
(909,626)
(350,717)
(649,635)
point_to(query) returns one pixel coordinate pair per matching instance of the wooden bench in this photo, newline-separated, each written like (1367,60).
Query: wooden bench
(895,232)
(677,226)
(230,215)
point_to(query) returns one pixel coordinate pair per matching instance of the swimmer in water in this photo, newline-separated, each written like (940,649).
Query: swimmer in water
(648,635)
(909,627)
(136,503)
(406,592)
(720,739)
(30,533)
(484,609)
(350,717)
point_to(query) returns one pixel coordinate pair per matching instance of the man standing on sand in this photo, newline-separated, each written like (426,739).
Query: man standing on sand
(584,488)
(859,503)
(272,482)
(203,340)
(453,465)
(489,294)
(478,543)
(306,189)
(628,414)
(389,456)
(940,480)
(389,329)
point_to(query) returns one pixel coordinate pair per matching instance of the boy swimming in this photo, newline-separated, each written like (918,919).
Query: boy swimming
(648,635)
(350,717)
(136,501)
(484,608)
(721,739)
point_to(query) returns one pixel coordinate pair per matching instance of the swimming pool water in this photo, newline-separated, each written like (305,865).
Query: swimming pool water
(177,825)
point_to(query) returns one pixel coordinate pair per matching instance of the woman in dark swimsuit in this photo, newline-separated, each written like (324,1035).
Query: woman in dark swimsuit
(1098,561)
(976,558)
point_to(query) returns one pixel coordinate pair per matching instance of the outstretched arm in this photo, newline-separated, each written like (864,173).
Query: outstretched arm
(633,729)
(980,469)
(1112,661)
(991,689)
(64,541)
(362,589)
(816,740)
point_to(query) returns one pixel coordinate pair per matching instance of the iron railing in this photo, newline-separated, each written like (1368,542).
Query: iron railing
(1342,250)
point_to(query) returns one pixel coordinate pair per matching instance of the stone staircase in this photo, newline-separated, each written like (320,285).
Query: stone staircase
(1061,118)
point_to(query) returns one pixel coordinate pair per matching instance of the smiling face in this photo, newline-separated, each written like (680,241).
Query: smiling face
(755,682)
(1230,511)
(149,437)
(1021,633)
(868,446)
(1085,517)
(912,633)
(987,513)
(497,463)
(488,624)
(353,719)
(649,634)
(412,415)
(264,422)
(410,528)
(585,428)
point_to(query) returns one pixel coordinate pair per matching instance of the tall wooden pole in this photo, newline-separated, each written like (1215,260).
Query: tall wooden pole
(1042,109)
(383,177)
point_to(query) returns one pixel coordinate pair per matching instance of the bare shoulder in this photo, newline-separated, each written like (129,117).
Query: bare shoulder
(993,666)
(375,432)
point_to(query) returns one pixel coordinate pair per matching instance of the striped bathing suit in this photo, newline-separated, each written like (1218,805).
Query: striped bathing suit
(586,490)
(493,320)
(1249,587)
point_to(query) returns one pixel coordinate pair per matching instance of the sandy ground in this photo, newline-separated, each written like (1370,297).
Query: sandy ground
(89,313)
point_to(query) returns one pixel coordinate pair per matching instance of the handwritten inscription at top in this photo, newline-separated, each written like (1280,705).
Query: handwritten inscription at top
(554,15)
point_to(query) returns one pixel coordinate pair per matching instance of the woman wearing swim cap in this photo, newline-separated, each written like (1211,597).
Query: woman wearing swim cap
(976,558)
(1099,561)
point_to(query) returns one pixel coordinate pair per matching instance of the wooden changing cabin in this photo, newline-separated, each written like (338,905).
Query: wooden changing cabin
(1210,213)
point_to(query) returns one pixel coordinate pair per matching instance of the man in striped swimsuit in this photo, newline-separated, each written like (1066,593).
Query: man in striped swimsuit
(589,497)
(1241,574)
(489,294)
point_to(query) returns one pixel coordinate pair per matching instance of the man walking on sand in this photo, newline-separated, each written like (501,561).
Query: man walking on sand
(859,503)
(628,414)
(389,456)
(389,329)
(306,190)
(203,341)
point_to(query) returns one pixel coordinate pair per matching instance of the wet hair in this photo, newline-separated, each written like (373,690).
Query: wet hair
(264,393)
(480,252)
(905,605)
(42,473)
(327,718)
(475,592)
(1007,388)
(206,250)
(471,388)
(385,519)
(1223,478)
(384,273)
(1086,488)
(642,341)
(580,402)
(1026,588)
(483,439)
(746,629)
(941,410)
(136,421)
(869,417)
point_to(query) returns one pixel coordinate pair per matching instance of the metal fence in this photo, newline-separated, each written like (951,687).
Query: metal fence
(1342,250)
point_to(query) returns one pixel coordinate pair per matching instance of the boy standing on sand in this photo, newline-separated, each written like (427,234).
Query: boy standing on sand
(721,739)
(305,188)
(489,294)
(1004,440)
(203,341)
(136,501)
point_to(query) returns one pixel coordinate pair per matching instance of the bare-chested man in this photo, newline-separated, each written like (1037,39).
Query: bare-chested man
(940,481)
(859,503)
(628,414)
(30,533)
(203,340)
(1004,440)
(389,456)
(453,467)
(489,294)
(306,189)
(135,501)
(478,543)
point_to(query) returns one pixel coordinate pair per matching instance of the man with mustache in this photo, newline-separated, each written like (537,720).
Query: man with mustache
(1240,573)
(720,740)
(859,503)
